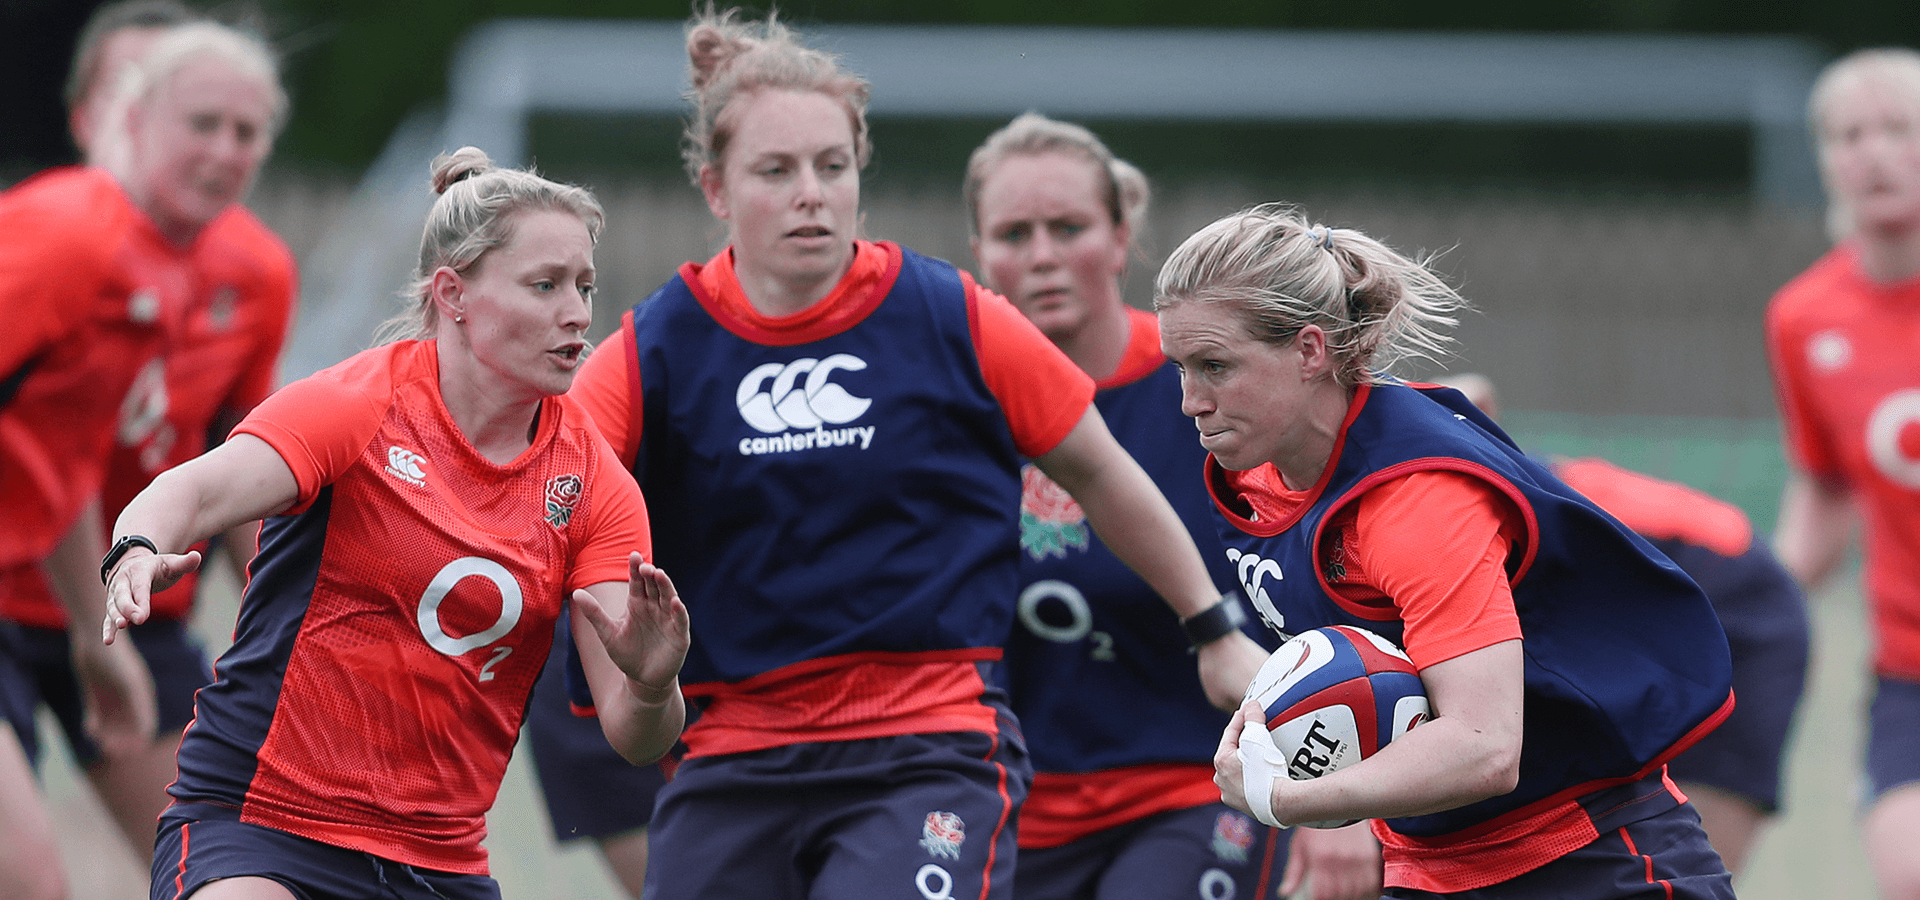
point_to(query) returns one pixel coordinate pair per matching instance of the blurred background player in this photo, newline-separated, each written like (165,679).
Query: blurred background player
(218,361)
(1122,805)
(1842,339)
(433,505)
(1732,776)
(106,267)
(116,33)
(1408,513)
(829,432)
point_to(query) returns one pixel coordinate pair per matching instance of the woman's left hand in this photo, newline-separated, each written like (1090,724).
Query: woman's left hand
(1228,774)
(649,639)
(1227,666)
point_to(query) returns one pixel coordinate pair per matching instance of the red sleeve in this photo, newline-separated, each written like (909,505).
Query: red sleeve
(1660,509)
(1436,543)
(52,262)
(1805,442)
(616,525)
(1042,392)
(607,389)
(320,424)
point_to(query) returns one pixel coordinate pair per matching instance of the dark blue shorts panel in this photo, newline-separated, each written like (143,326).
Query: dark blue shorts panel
(926,815)
(19,696)
(40,670)
(1666,857)
(1893,736)
(1210,852)
(191,852)
(590,790)
(1765,616)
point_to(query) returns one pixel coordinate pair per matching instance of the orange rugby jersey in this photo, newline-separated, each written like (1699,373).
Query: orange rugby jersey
(1846,364)
(399,613)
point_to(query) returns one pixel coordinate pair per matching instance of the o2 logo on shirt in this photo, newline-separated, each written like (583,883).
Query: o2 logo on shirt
(1251,571)
(1043,601)
(406,465)
(790,403)
(1893,437)
(444,581)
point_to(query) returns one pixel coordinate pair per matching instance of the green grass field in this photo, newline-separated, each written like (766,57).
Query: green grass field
(1811,851)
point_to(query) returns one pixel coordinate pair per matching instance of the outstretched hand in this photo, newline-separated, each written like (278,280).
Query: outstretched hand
(131,586)
(648,640)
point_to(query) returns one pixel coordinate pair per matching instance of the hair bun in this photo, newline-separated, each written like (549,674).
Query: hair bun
(451,168)
(710,48)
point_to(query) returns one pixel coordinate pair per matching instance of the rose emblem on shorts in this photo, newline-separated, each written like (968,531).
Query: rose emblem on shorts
(942,834)
(563,492)
(1051,523)
(1232,837)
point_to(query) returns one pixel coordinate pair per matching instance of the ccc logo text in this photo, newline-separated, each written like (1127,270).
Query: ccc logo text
(776,398)
(406,465)
(1252,570)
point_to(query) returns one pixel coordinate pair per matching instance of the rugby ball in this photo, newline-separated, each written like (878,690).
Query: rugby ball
(1334,696)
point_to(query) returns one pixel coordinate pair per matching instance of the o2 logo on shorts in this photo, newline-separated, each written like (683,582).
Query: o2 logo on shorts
(790,403)
(1216,884)
(934,882)
(511,606)
(1893,437)
(1251,570)
(406,465)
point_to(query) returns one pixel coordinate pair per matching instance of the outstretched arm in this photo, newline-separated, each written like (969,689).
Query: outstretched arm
(238,481)
(632,638)
(1135,521)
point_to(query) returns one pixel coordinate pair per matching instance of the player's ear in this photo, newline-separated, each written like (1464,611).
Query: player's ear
(710,187)
(447,293)
(1315,358)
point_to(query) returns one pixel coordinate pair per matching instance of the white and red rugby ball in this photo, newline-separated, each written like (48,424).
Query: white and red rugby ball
(1334,696)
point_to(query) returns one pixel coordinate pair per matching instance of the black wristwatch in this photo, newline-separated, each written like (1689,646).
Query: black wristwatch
(1216,621)
(120,548)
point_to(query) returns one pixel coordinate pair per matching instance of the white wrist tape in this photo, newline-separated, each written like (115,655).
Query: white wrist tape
(1260,765)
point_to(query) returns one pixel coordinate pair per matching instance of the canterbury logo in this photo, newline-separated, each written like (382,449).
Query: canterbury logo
(775,398)
(1252,570)
(406,465)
